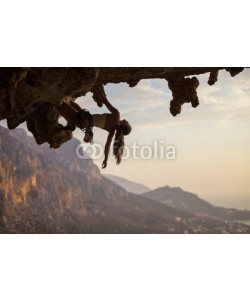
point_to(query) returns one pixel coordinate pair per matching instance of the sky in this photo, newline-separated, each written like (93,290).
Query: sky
(212,141)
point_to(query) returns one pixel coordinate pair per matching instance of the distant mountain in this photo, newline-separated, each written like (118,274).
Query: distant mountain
(130,186)
(177,198)
(44,190)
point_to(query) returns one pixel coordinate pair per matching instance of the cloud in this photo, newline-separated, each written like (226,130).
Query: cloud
(226,101)
(230,97)
(146,106)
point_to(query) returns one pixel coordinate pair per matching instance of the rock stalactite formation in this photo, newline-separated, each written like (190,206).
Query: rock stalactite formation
(32,94)
(184,91)
(43,123)
(213,77)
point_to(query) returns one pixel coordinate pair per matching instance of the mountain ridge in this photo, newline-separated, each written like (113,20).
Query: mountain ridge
(178,198)
(44,190)
(128,185)
(56,188)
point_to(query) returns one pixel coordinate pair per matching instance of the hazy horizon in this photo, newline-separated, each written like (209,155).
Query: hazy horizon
(239,201)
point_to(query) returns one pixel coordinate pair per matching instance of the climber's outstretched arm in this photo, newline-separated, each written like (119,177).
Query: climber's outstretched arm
(107,148)
(110,107)
(100,94)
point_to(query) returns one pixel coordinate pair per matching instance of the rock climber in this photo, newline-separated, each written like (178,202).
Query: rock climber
(78,117)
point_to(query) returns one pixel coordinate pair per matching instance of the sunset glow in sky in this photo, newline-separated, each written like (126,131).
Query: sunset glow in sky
(212,141)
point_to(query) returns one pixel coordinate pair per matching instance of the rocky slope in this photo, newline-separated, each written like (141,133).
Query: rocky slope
(44,190)
(32,94)
(176,197)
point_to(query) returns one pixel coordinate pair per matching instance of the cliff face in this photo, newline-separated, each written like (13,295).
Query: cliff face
(32,94)
(44,190)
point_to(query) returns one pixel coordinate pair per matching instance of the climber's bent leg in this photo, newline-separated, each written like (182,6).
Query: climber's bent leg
(69,113)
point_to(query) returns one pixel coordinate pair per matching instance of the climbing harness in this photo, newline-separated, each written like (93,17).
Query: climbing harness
(84,121)
(87,128)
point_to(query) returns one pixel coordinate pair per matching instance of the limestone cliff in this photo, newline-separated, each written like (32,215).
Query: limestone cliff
(32,94)
(44,190)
